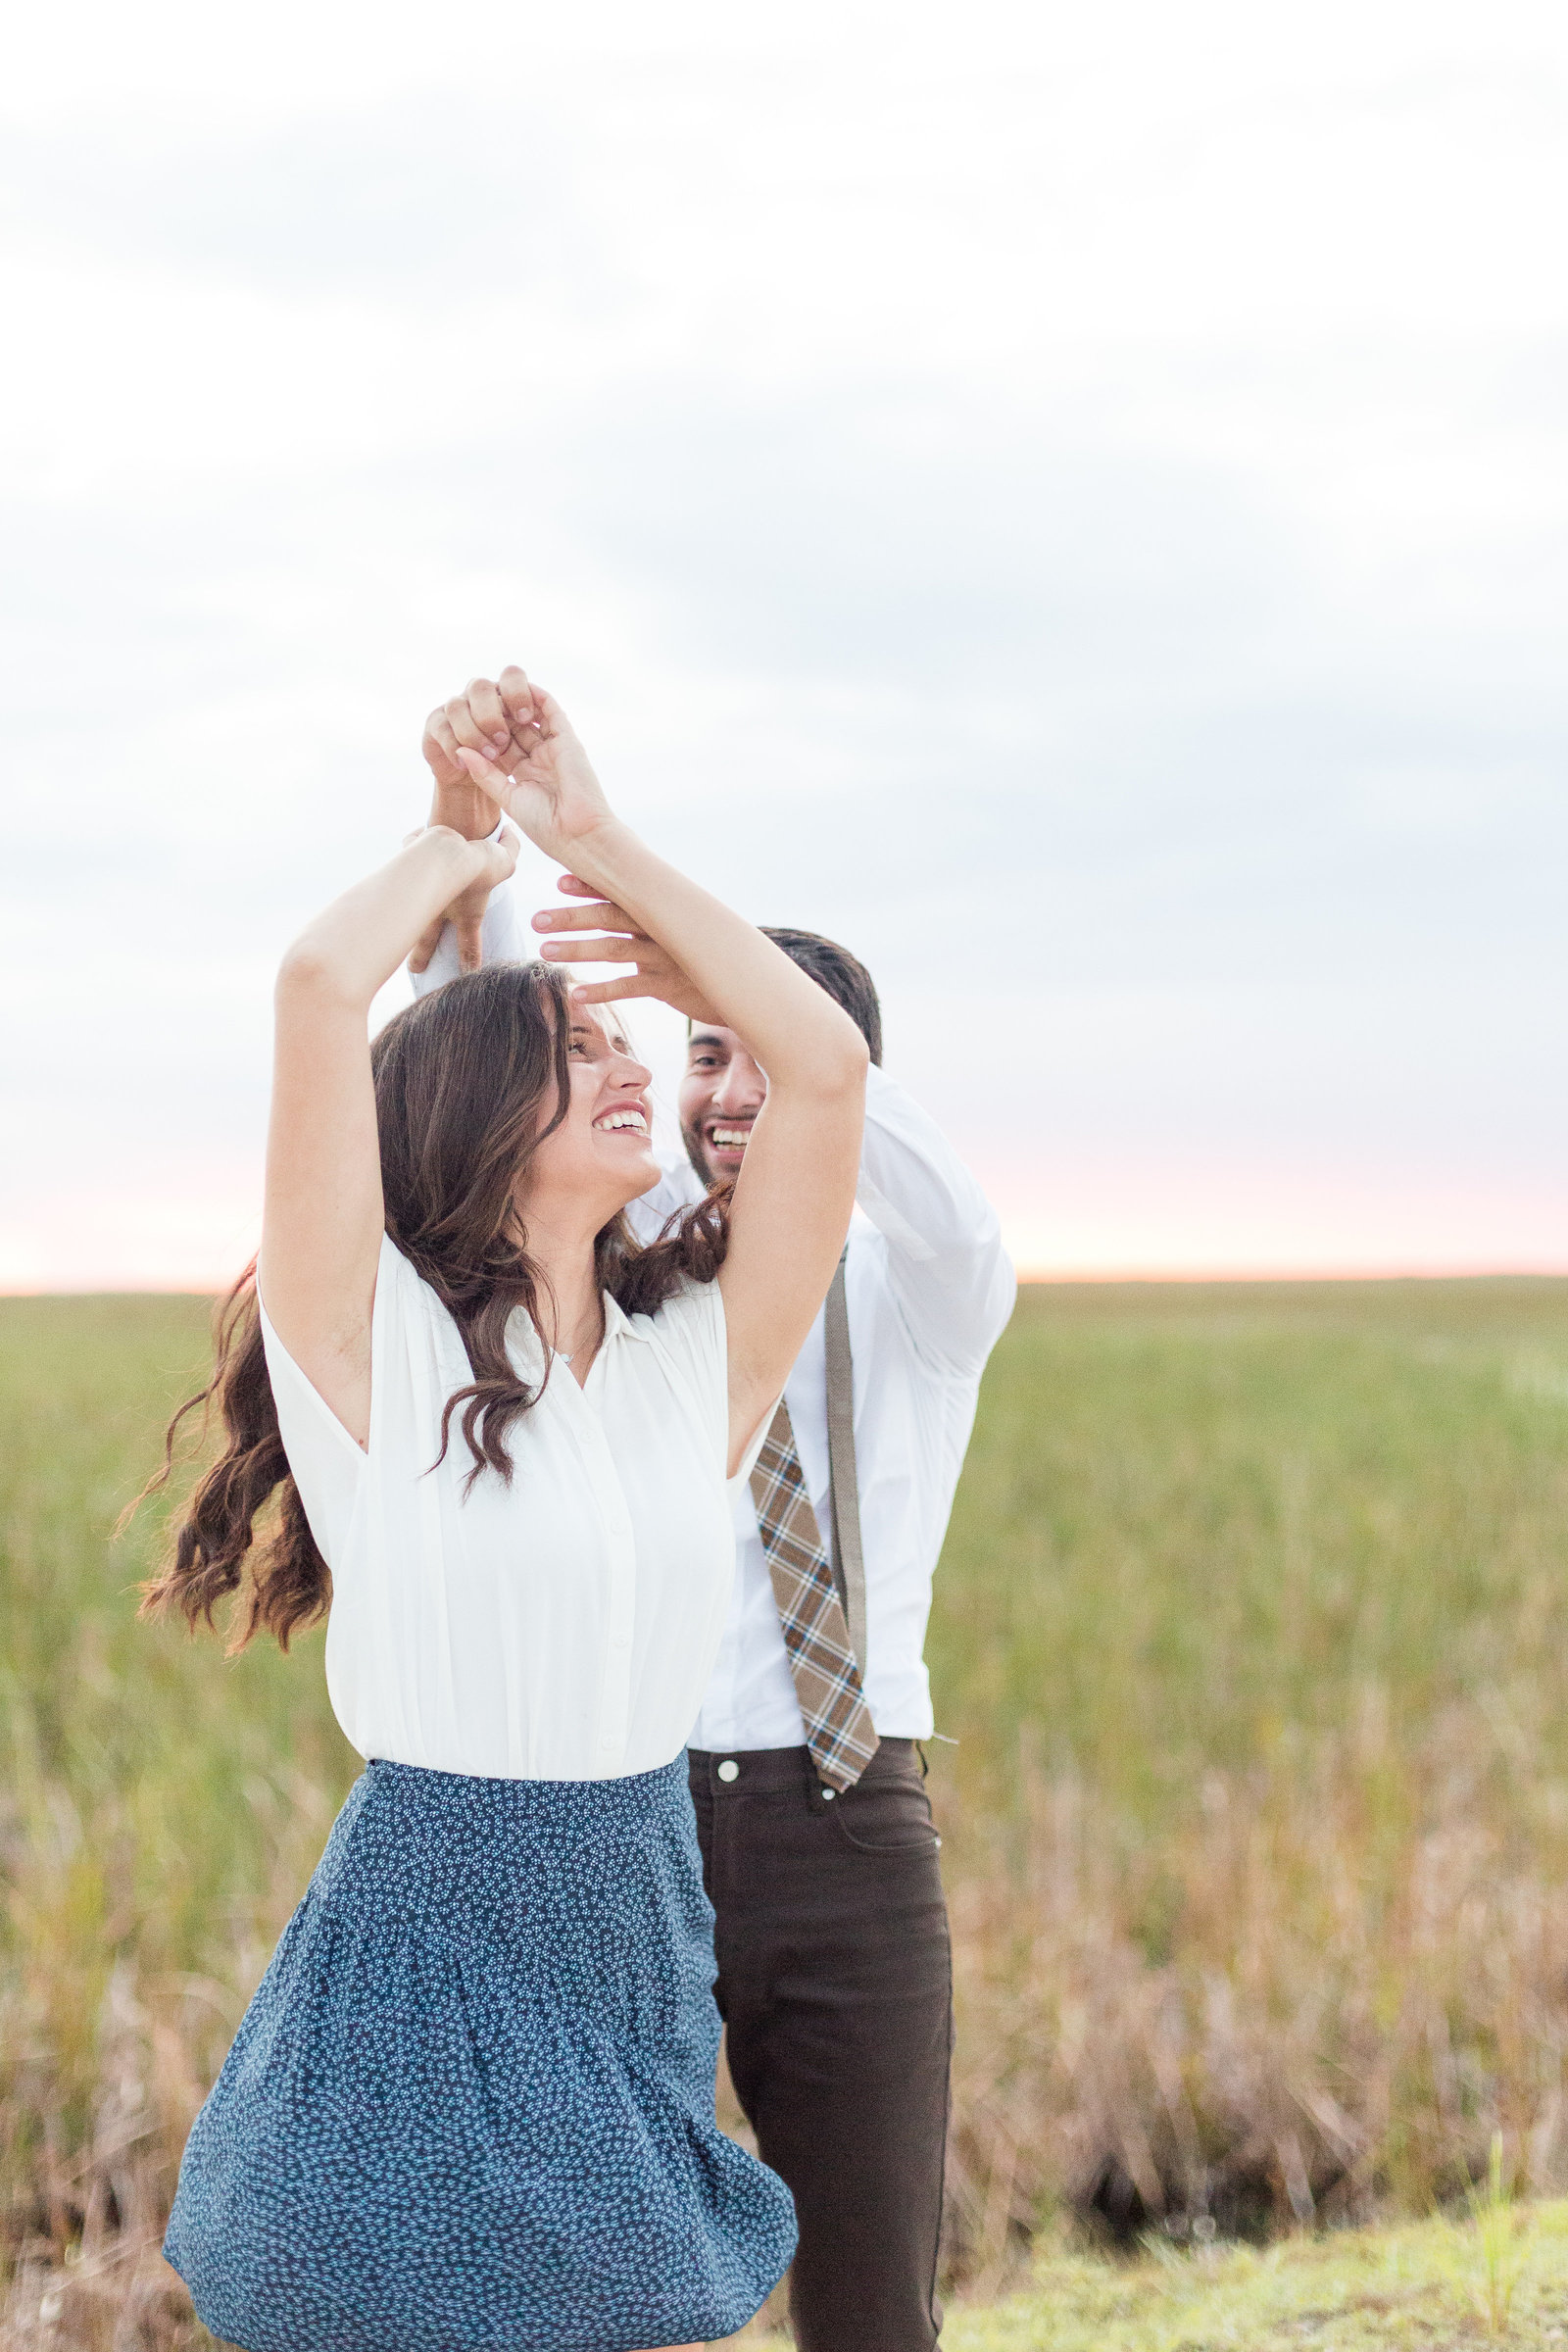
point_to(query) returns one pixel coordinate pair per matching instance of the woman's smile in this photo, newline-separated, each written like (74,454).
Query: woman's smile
(630,1118)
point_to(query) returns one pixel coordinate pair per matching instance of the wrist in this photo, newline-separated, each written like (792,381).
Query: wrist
(464,809)
(598,852)
(455,857)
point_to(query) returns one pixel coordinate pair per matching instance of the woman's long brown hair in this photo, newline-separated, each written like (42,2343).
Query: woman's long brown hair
(468,1082)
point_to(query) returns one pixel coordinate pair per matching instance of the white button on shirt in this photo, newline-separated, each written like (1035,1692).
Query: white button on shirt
(558,1628)
(929,1288)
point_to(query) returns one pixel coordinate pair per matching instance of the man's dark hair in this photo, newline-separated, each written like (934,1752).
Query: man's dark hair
(842,976)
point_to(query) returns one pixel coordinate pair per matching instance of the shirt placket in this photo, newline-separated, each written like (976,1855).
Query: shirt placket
(613,1712)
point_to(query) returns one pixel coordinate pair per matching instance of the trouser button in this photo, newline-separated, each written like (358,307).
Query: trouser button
(729,1769)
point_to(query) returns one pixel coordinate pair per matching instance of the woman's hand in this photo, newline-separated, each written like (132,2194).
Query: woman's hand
(466,912)
(496,858)
(656,972)
(540,775)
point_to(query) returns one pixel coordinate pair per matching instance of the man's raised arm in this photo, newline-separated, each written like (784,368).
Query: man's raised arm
(481,926)
(947,1268)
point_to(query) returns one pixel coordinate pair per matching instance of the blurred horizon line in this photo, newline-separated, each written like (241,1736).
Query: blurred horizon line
(1033,1277)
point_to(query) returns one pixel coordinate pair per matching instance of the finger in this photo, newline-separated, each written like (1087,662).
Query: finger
(521,705)
(425,946)
(574,888)
(469,733)
(599,915)
(440,749)
(590,951)
(484,701)
(610,991)
(482,771)
(502,857)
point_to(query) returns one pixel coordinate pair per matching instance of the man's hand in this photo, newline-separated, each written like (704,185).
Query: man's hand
(656,973)
(540,775)
(475,720)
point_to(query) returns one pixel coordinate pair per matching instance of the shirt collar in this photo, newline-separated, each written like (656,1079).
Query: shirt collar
(523,1342)
(619,1325)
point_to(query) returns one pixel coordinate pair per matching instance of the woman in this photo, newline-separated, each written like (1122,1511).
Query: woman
(471,2102)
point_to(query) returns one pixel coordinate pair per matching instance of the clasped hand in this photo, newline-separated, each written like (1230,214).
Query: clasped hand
(508,745)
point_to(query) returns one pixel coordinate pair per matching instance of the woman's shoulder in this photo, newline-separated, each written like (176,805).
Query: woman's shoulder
(413,1334)
(402,1292)
(689,1322)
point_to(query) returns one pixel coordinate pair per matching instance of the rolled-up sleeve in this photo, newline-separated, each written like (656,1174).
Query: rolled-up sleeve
(949,1273)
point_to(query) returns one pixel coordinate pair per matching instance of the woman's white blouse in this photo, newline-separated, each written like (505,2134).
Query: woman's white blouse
(558,1628)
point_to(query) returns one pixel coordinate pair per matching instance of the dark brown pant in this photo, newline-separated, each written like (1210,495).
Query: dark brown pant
(835,1985)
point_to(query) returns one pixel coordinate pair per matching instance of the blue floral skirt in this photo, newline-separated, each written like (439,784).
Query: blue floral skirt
(471,2105)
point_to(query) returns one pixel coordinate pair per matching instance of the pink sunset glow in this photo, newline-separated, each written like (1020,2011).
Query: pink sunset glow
(1151,664)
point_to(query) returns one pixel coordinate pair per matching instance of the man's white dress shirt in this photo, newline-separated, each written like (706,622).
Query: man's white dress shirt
(929,1290)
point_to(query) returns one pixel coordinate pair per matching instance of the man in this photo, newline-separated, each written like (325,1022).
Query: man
(834,1976)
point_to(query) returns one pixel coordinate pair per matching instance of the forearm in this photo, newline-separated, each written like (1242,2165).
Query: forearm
(353,947)
(502,939)
(803,1039)
(464,807)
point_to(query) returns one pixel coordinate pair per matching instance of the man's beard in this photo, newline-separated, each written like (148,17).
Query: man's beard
(707,1178)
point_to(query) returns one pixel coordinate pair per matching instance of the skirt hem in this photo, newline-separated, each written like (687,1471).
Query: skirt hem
(598,2341)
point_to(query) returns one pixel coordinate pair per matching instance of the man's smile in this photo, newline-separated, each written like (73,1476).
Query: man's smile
(726,1140)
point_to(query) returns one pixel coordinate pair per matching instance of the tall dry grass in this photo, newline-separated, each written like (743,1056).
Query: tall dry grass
(1364,1977)
(159,1812)
(1254,1629)
(1251,1631)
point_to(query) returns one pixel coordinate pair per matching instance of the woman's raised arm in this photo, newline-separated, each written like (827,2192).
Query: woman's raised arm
(323,1214)
(795,1191)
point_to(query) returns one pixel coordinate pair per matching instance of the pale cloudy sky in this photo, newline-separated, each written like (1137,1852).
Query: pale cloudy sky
(1073,502)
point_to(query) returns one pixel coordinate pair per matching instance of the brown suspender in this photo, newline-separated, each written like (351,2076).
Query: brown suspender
(849,1565)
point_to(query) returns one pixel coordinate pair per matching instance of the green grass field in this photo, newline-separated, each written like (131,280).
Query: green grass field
(1499,2280)
(1251,1631)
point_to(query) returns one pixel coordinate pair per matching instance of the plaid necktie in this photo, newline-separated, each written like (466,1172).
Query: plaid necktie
(839,1731)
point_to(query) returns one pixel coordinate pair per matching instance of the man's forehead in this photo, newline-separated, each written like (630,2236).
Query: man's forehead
(710,1034)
